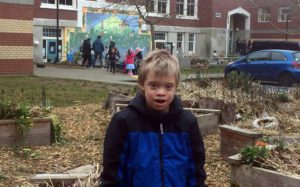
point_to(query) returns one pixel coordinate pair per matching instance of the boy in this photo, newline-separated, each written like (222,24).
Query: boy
(154,142)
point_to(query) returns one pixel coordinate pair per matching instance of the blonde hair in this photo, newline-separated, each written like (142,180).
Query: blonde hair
(161,62)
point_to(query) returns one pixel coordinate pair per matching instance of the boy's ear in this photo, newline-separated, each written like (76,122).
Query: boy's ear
(141,87)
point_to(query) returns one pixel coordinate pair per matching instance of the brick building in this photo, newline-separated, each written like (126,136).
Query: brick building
(198,27)
(45,21)
(16,34)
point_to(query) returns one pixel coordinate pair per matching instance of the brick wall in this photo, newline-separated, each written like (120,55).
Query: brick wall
(16,37)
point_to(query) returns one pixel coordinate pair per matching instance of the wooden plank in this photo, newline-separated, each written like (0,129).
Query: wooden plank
(245,175)
(40,128)
(8,129)
(237,130)
(208,123)
(203,110)
(39,134)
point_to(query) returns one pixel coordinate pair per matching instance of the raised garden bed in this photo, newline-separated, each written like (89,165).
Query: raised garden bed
(247,176)
(39,133)
(234,138)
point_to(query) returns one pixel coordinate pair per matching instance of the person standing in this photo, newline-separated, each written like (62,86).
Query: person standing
(86,52)
(129,61)
(138,59)
(98,48)
(112,57)
(154,142)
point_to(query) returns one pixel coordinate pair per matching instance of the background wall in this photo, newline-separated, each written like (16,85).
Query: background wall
(16,37)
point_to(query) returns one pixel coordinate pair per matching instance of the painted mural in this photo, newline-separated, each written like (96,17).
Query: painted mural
(122,27)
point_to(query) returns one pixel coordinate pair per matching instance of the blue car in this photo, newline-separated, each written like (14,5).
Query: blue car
(272,65)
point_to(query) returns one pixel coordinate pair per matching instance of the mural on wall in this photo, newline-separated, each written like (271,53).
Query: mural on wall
(122,27)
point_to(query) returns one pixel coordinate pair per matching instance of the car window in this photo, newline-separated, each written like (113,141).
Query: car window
(259,56)
(297,57)
(278,56)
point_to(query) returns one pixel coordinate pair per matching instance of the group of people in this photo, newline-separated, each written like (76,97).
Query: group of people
(242,46)
(91,53)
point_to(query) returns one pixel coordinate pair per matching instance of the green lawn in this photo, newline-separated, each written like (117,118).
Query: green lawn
(211,69)
(60,92)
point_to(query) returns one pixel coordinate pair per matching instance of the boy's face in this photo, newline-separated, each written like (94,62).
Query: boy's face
(159,91)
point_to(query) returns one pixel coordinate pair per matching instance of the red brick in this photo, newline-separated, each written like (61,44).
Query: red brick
(16,39)
(16,11)
(16,67)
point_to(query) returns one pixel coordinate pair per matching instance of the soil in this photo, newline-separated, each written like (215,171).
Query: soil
(84,127)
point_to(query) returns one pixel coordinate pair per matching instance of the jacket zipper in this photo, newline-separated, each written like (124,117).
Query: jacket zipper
(161,154)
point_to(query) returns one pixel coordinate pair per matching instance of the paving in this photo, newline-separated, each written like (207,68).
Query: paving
(98,74)
(95,74)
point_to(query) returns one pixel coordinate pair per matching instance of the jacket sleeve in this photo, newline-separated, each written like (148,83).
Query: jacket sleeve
(198,155)
(114,142)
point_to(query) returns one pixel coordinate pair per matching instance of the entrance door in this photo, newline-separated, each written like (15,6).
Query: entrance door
(51,50)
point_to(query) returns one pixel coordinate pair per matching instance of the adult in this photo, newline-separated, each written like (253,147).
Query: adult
(138,59)
(86,52)
(98,48)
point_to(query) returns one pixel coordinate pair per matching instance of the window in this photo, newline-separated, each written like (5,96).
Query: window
(50,32)
(191,42)
(159,7)
(66,2)
(283,13)
(179,42)
(162,6)
(180,7)
(186,8)
(276,56)
(159,36)
(264,14)
(63,4)
(48,1)
(160,40)
(152,6)
(259,56)
(191,7)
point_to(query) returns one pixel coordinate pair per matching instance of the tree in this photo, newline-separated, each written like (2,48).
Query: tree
(143,8)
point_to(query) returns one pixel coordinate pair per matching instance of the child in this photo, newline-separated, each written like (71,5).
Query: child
(112,55)
(154,142)
(129,61)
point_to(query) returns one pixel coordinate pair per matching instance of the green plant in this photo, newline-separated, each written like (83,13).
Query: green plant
(56,130)
(283,97)
(24,118)
(254,155)
(19,112)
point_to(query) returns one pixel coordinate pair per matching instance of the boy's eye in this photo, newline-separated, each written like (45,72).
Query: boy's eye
(153,85)
(169,86)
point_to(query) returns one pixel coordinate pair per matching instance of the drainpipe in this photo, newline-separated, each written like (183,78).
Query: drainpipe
(227,37)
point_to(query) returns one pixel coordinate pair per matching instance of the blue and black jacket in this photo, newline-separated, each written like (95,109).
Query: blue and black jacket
(145,148)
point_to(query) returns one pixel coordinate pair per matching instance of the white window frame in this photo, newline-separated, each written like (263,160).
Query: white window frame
(155,12)
(264,15)
(180,41)
(160,40)
(193,42)
(283,17)
(63,7)
(185,16)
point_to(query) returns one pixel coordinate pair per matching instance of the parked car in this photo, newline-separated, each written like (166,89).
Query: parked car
(272,65)
(266,44)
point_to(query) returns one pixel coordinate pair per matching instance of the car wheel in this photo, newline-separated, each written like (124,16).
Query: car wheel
(286,79)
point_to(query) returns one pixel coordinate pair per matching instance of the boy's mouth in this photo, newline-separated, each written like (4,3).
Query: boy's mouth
(160,101)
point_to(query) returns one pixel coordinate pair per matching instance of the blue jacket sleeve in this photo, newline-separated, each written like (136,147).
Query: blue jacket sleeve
(198,155)
(114,143)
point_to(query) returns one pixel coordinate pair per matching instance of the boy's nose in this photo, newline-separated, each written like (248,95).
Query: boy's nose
(161,91)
